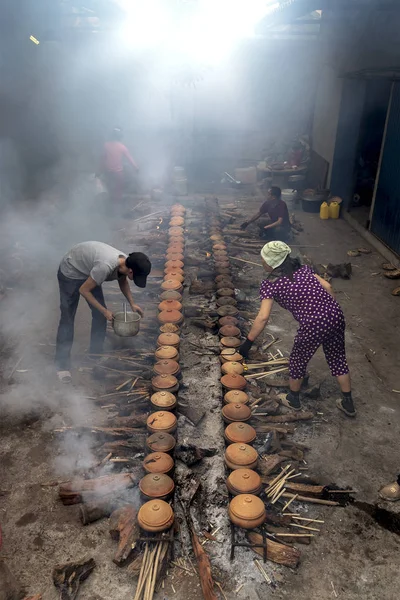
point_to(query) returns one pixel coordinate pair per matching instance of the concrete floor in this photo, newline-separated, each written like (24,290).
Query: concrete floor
(352,557)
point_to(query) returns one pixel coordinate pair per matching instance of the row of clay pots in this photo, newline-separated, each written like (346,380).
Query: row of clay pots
(157,486)
(246,509)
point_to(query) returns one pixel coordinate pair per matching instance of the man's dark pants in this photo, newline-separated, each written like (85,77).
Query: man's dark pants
(69,300)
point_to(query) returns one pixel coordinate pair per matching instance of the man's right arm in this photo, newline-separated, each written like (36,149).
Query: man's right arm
(261,212)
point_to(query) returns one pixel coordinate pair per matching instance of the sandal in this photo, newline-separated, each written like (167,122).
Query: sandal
(64,376)
(285,401)
(348,410)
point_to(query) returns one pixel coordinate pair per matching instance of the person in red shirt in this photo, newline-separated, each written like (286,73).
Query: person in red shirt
(115,156)
(278,226)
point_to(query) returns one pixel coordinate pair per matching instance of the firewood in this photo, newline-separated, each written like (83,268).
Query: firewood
(312,500)
(289,418)
(280,520)
(276,552)
(96,510)
(106,431)
(124,528)
(35,597)
(123,446)
(132,421)
(289,540)
(78,490)
(135,565)
(67,578)
(294,453)
(269,463)
(284,429)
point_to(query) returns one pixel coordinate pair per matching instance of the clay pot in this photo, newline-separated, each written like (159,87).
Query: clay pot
(170,316)
(233,382)
(220,278)
(176,238)
(174,275)
(240,433)
(169,339)
(166,352)
(156,485)
(172,284)
(177,221)
(226,320)
(230,342)
(222,263)
(178,207)
(225,283)
(230,355)
(175,264)
(155,516)
(169,328)
(225,311)
(166,383)
(232,366)
(220,254)
(162,421)
(161,442)
(158,462)
(177,213)
(223,270)
(222,292)
(226,302)
(175,247)
(238,456)
(229,331)
(171,295)
(170,270)
(219,246)
(247,511)
(175,231)
(174,256)
(236,412)
(244,481)
(170,305)
(163,401)
(167,367)
(216,237)
(236,397)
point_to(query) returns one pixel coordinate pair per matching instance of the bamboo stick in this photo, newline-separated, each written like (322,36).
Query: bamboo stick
(313,500)
(249,262)
(288,503)
(276,498)
(305,519)
(118,388)
(293,534)
(304,527)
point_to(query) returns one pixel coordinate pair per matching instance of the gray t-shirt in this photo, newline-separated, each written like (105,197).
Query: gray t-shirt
(91,259)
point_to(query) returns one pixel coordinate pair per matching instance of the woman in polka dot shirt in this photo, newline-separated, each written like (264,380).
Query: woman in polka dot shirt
(311,301)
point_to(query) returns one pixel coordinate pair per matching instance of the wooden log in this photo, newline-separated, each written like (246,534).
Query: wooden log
(284,429)
(124,446)
(312,500)
(294,453)
(78,490)
(290,418)
(90,512)
(132,421)
(67,578)
(35,597)
(204,566)
(125,529)
(269,463)
(105,431)
(304,488)
(135,566)
(280,520)
(280,554)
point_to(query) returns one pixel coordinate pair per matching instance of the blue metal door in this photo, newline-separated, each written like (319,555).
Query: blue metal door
(385,222)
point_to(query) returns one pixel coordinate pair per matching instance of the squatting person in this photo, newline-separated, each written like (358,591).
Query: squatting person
(82,272)
(312,303)
(277,224)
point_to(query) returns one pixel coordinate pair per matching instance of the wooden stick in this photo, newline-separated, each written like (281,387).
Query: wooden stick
(249,262)
(263,572)
(313,500)
(123,384)
(293,534)
(279,495)
(289,502)
(304,527)
(305,519)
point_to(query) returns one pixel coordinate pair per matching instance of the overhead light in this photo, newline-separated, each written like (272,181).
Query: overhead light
(34,40)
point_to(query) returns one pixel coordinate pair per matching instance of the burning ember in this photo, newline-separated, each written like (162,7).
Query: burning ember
(208,254)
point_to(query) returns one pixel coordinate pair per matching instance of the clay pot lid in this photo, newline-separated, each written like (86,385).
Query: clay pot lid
(167,366)
(168,339)
(170,305)
(175,246)
(244,481)
(165,382)
(172,256)
(233,382)
(231,356)
(171,295)
(155,515)
(219,246)
(229,331)
(240,433)
(220,254)
(236,412)
(169,328)
(176,239)
(216,237)
(225,301)
(166,352)
(158,462)
(163,400)
(177,221)
(222,263)
(177,212)
(230,342)
(247,507)
(231,366)
(236,397)
(171,284)
(225,283)
(169,270)
(178,206)
(241,454)
(223,270)
(170,316)
(175,231)
(162,420)
(222,292)
(156,485)
(174,275)
(161,442)
(224,311)
(227,321)
(175,264)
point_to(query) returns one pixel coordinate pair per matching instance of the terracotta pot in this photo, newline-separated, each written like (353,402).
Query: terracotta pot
(171,295)
(176,231)
(167,352)
(236,397)
(219,246)
(216,237)
(169,339)
(155,516)
(177,221)
(176,239)
(170,305)
(156,485)
(161,442)
(225,283)
(175,276)
(222,292)
(225,311)
(177,213)
(222,270)
(220,254)
(230,355)
(244,481)
(236,412)
(247,511)
(226,302)
(169,328)
(230,342)
(233,382)
(172,284)
(162,383)
(167,367)
(229,331)
(232,366)
(163,401)
(226,320)
(175,247)
(158,462)
(240,433)
(164,421)
(222,263)
(175,264)
(179,207)
(174,256)
(238,456)
(171,270)
(170,316)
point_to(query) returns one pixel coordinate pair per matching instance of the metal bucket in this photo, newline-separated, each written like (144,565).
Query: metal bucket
(128,327)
